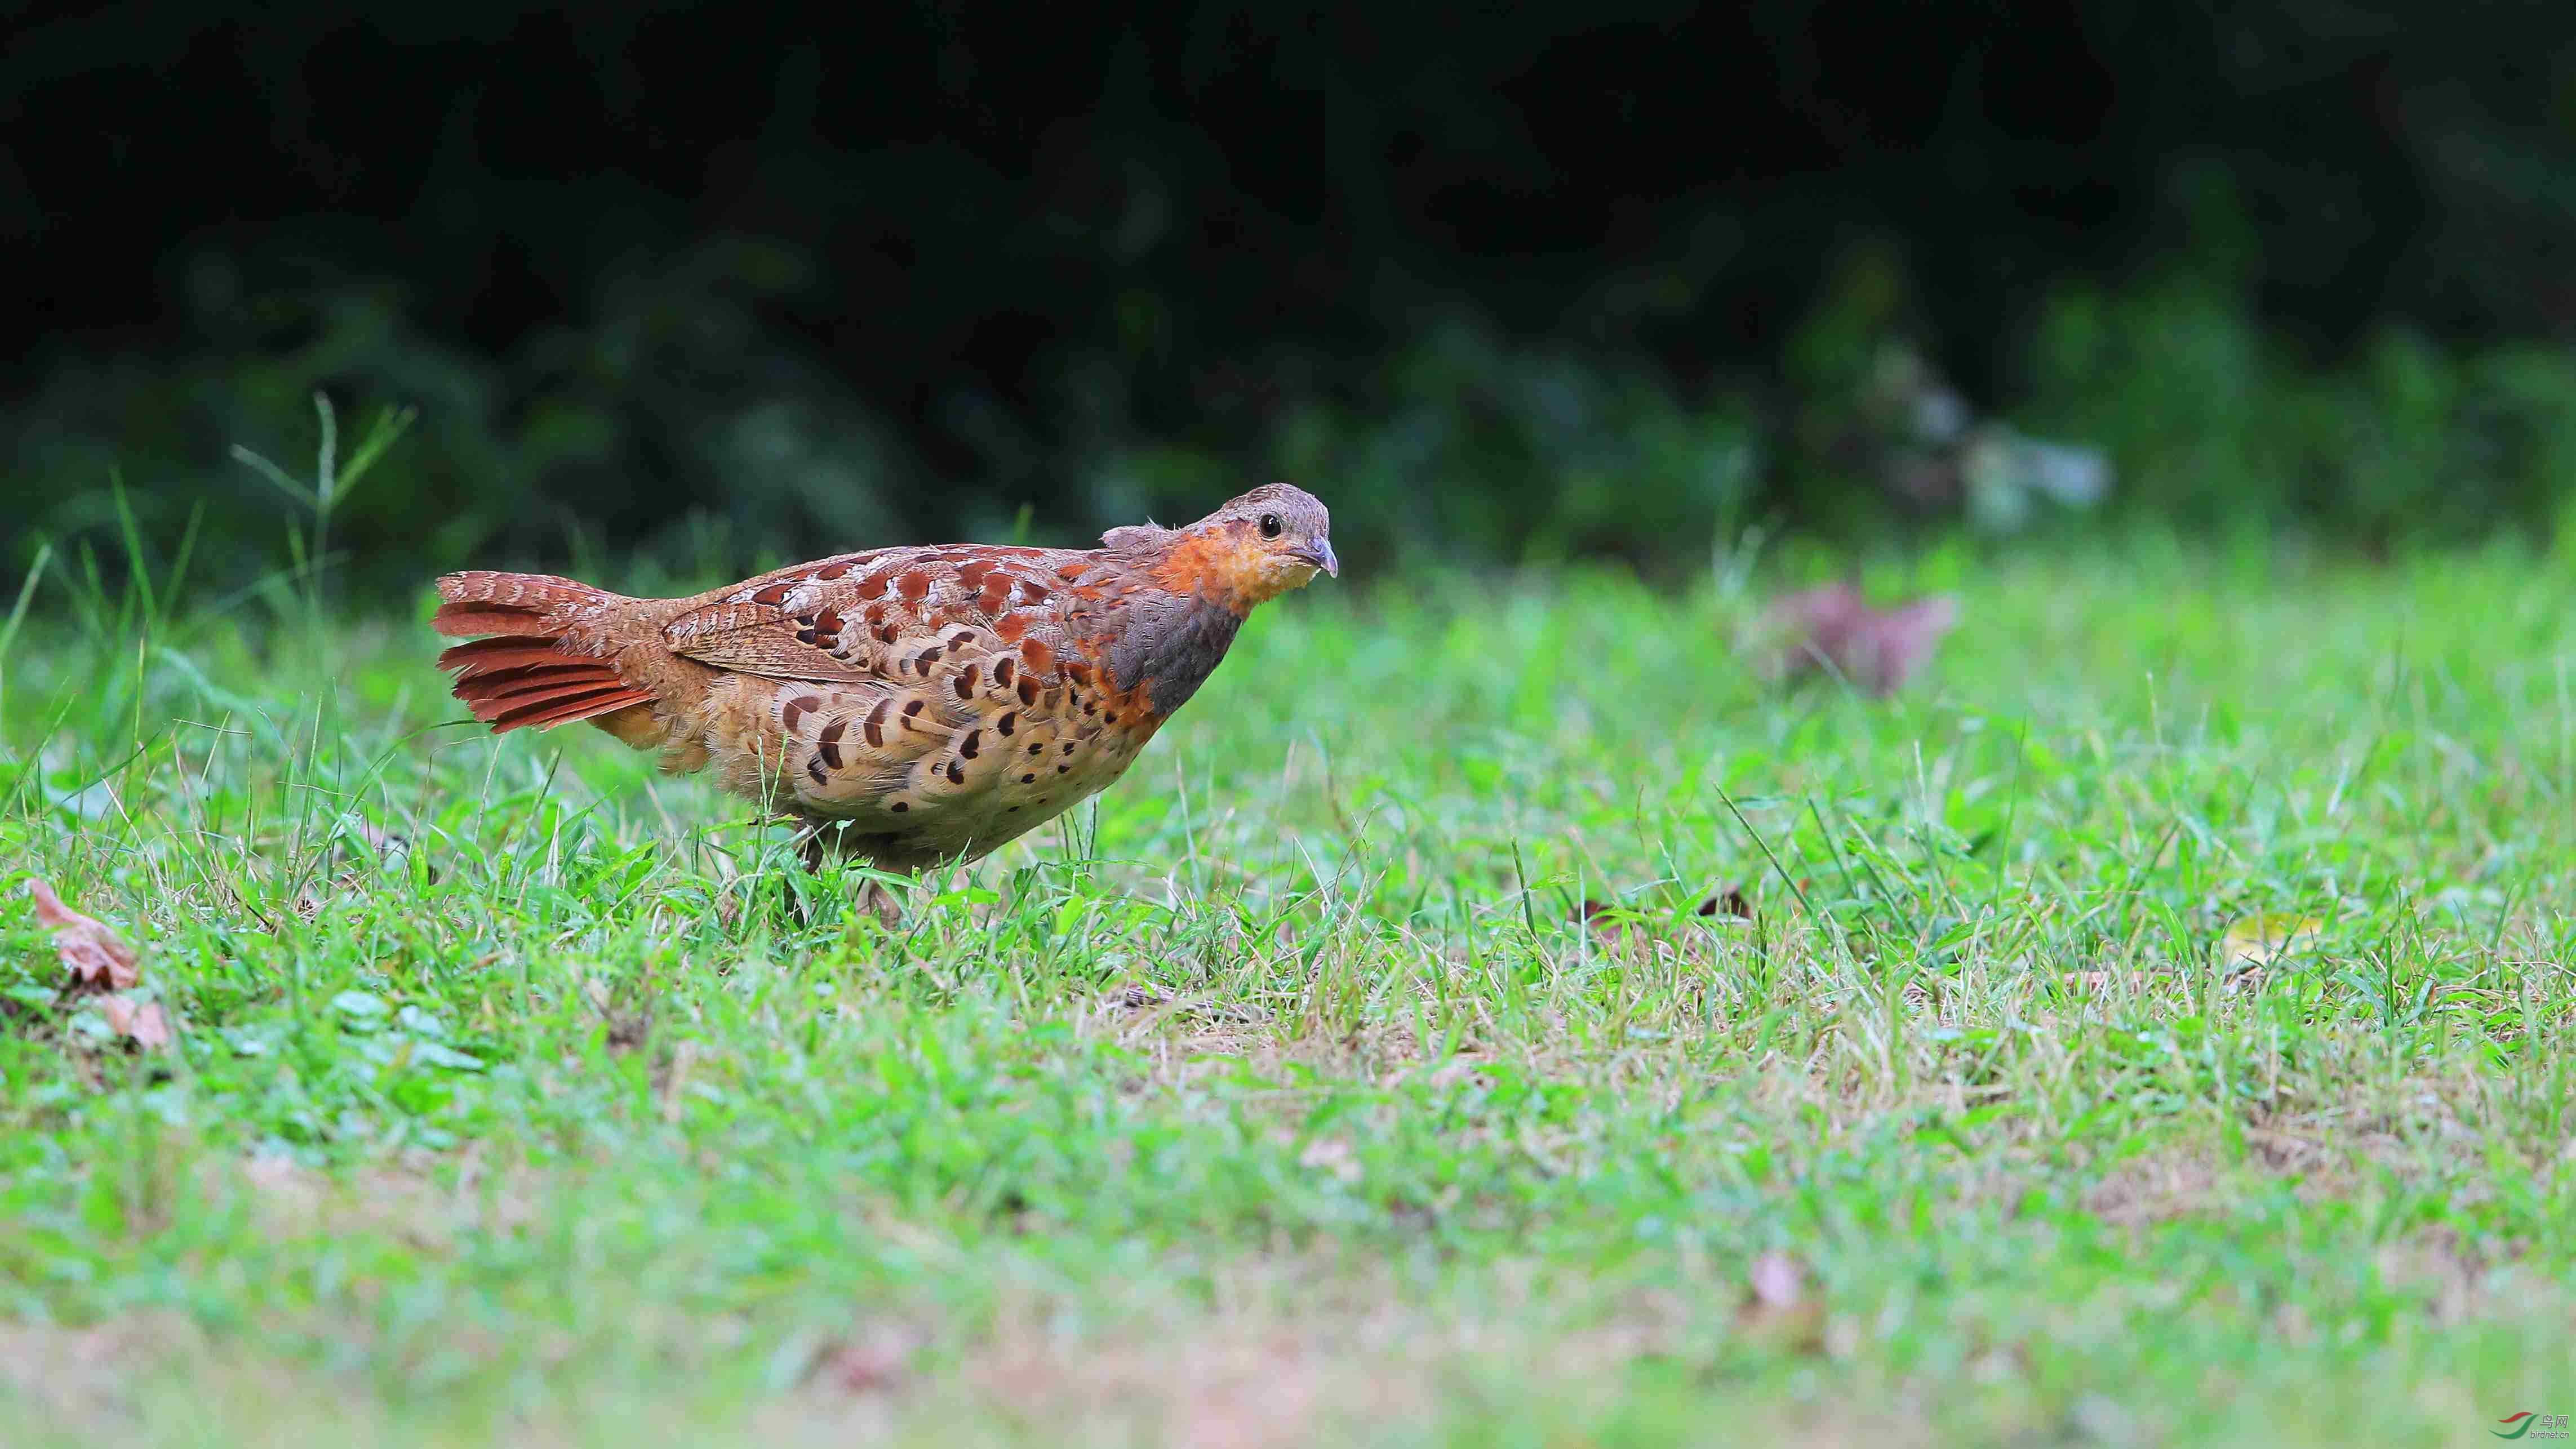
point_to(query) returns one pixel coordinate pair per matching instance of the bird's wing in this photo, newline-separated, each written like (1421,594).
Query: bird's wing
(885,615)
(942,681)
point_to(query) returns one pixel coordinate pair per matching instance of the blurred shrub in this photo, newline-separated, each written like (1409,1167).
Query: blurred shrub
(682,426)
(679,422)
(2215,425)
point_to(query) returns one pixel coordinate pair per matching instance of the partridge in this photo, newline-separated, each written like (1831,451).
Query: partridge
(906,706)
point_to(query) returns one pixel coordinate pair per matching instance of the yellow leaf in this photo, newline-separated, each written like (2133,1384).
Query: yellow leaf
(2261,939)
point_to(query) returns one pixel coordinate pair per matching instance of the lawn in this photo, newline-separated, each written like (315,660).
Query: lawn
(1286,1094)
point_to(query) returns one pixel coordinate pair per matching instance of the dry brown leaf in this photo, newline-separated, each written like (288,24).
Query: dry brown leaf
(97,957)
(871,1365)
(101,964)
(1779,1312)
(1731,901)
(1615,926)
(629,1030)
(1136,998)
(1591,914)
(143,1021)
(1597,914)
(1833,628)
(1778,1281)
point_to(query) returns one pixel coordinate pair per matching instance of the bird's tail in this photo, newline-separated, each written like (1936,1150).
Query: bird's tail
(537,667)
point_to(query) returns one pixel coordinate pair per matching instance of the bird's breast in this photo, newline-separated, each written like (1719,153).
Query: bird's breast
(1166,646)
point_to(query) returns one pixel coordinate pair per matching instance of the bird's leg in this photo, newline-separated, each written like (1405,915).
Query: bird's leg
(809,849)
(879,902)
(874,898)
(812,849)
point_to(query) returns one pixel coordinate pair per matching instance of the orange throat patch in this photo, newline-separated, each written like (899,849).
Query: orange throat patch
(1230,571)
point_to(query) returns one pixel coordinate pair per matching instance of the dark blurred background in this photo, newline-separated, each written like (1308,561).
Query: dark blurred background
(1503,284)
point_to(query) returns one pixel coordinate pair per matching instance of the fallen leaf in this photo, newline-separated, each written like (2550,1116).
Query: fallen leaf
(144,1021)
(2259,940)
(871,1365)
(1607,920)
(1730,901)
(1136,998)
(96,956)
(1833,628)
(1779,1311)
(102,965)
(629,1030)
(1778,1281)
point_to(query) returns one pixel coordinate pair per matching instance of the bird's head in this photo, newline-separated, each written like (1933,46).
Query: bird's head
(1261,545)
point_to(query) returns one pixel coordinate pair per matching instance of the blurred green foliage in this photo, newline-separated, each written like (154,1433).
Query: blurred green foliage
(2216,425)
(677,289)
(690,434)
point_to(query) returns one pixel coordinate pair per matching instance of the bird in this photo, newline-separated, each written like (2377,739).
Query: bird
(902,707)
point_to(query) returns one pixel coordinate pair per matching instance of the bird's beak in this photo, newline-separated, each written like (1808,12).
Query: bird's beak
(1320,554)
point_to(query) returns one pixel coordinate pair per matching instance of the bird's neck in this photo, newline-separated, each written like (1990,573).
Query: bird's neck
(1171,643)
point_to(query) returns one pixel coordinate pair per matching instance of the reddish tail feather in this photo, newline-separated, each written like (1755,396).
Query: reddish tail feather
(526,675)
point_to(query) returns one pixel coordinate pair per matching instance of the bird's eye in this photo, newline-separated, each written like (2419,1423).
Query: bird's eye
(1270,525)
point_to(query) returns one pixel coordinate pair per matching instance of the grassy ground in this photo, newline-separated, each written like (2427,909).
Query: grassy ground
(1284,1095)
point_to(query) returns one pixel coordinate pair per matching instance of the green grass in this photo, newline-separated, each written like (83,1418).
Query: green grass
(1283,1096)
